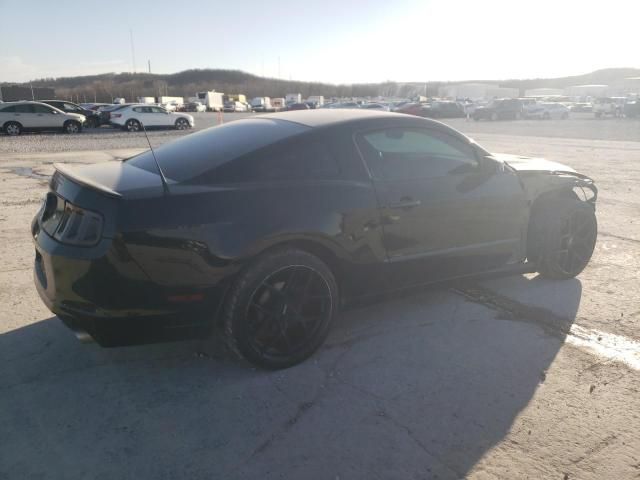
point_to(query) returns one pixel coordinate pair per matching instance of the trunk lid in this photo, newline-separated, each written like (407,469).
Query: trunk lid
(114,179)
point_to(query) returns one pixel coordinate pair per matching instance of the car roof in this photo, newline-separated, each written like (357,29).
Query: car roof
(325,117)
(38,102)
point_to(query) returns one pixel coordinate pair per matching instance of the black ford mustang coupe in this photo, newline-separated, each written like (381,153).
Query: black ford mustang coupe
(264,227)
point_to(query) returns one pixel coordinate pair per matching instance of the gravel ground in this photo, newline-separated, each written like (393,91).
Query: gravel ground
(509,378)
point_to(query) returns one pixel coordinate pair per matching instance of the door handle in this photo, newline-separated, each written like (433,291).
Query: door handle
(405,203)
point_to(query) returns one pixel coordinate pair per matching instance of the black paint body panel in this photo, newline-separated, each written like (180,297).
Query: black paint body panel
(165,261)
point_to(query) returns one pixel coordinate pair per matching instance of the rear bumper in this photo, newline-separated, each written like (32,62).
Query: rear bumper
(99,291)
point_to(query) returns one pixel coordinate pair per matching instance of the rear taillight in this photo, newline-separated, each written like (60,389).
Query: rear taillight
(70,224)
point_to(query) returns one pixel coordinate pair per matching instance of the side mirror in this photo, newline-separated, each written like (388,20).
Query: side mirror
(492,165)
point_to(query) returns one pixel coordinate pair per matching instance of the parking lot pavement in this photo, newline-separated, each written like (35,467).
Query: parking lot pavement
(515,377)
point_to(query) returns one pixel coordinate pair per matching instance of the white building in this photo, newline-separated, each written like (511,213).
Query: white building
(587,91)
(543,92)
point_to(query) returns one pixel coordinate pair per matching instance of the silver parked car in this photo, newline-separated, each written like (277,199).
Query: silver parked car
(547,110)
(18,117)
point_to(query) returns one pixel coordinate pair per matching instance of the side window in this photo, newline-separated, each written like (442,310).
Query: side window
(157,110)
(70,107)
(138,109)
(301,160)
(41,109)
(11,109)
(24,108)
(404,154)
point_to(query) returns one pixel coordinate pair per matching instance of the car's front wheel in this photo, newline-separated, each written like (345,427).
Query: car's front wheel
(72,127)
(280,308)
(182,124)
(562,237)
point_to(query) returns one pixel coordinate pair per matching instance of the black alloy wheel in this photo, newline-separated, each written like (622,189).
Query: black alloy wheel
(182,124)
(280,310)
(132,125)
(564,238)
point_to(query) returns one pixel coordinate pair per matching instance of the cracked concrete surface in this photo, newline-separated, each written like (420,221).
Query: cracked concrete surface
(481,381)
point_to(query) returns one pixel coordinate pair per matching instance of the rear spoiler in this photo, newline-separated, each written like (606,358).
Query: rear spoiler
(68,172)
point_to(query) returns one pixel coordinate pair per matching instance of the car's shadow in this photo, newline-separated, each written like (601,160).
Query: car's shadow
(416,387)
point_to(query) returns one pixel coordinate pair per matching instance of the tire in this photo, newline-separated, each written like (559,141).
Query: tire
(182,124)
(132,125)
(12,128)
(280,309)
(562,237)
(72,127)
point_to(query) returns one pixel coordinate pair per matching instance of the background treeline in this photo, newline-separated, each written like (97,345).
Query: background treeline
(106,87)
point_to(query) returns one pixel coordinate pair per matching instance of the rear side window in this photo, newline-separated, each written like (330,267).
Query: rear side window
(24,108)
(10,109)
(299,159)
(198,154)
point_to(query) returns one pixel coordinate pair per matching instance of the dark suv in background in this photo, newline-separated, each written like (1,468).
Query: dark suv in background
(92,121)
(500,109)
(443,110)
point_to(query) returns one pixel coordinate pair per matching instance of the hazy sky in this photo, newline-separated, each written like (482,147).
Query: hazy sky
(330,40)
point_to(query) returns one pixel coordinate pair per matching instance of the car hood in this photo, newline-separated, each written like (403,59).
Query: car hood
(531,164)
(76,116)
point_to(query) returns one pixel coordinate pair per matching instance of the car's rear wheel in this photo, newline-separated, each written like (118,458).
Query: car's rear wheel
(72,127)
(132,125)
(280,309)
(562,237)
(12,128)
(182,124)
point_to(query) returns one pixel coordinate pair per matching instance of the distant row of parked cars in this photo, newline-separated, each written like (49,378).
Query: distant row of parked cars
(68,117)
(520,108)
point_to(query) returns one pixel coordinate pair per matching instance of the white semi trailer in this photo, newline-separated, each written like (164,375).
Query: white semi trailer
(214,101)
(261,104)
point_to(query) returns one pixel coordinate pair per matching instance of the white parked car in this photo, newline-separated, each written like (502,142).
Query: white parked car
(613,106)
(197,107)
(133,117)
(18,117)
(547,110)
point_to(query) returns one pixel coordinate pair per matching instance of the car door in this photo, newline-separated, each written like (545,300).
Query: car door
(46,117)
(24,114)
(144,115)
(161,117)
(442,207)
